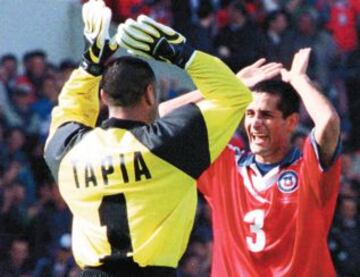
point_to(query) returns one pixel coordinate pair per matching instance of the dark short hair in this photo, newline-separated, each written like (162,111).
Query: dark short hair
(289,99)
(272,16)
(8,57)
(33,54)
(126,79)
(205,9)
(67,64)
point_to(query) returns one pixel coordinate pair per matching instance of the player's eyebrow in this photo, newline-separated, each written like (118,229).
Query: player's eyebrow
(262,112)
(267,112)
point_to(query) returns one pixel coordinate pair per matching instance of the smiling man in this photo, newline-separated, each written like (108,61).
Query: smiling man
(270,120)
(272,207)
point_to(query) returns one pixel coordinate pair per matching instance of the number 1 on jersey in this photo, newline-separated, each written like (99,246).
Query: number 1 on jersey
(256,220)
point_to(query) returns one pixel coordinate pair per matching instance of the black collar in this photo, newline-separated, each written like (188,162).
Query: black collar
(121,123)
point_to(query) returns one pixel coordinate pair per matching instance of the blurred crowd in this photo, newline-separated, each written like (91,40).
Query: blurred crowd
(35,224)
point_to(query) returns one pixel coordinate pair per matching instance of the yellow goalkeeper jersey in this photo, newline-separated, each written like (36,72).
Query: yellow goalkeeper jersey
(131,186)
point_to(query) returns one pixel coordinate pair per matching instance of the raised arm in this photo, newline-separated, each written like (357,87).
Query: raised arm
(78,105)
(203,128)
(323,114)
(250,76)
(78,100)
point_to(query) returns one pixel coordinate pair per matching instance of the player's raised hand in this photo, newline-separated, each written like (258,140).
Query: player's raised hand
(259,71)
(148,38)
(99,46)
(298,67)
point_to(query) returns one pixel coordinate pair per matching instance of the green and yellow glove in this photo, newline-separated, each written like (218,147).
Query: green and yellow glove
(148,38)
(98,45)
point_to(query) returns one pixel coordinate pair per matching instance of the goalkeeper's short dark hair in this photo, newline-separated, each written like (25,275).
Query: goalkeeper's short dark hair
(126,79)
(289,99)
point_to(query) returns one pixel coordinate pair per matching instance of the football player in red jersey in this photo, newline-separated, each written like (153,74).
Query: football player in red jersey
(272,207)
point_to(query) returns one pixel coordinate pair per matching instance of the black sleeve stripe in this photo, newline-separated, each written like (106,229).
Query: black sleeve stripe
(180,138)
(64,139)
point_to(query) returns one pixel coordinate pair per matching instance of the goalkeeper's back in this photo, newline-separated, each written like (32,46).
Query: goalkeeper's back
(130,183)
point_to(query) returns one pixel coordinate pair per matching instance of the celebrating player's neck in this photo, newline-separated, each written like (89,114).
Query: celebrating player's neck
(132,113)
(273,155)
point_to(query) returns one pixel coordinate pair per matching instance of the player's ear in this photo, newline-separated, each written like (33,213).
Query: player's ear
(104,98)
(150,96)
(292,121)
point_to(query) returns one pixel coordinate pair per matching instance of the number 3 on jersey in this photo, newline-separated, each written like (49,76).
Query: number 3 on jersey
(256,220)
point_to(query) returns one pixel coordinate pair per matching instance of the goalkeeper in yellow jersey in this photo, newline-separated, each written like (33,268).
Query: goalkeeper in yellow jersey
(130,183)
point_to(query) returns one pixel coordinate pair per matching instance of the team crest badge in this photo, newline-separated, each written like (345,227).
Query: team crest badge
(288,181)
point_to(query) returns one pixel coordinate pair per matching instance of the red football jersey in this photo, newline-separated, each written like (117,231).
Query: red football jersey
(271,225)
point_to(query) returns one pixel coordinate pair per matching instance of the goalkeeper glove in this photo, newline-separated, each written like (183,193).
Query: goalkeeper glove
(148,38)
(98,45)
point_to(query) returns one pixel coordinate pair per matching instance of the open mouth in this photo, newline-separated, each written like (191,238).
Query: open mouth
(258,138)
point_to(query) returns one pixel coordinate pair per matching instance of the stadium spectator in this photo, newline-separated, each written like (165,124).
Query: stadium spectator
(278,37)
(9,70)
(16,146)
(18,261)
(240,42)
(350,168)
(41,109)
(13,213)
(324,50)
(44,197)
(348,189)
(345,238)
(202,32)
(61,262)
(8,76)
(52,220)
(17,167)
(35,66)
(20,115)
